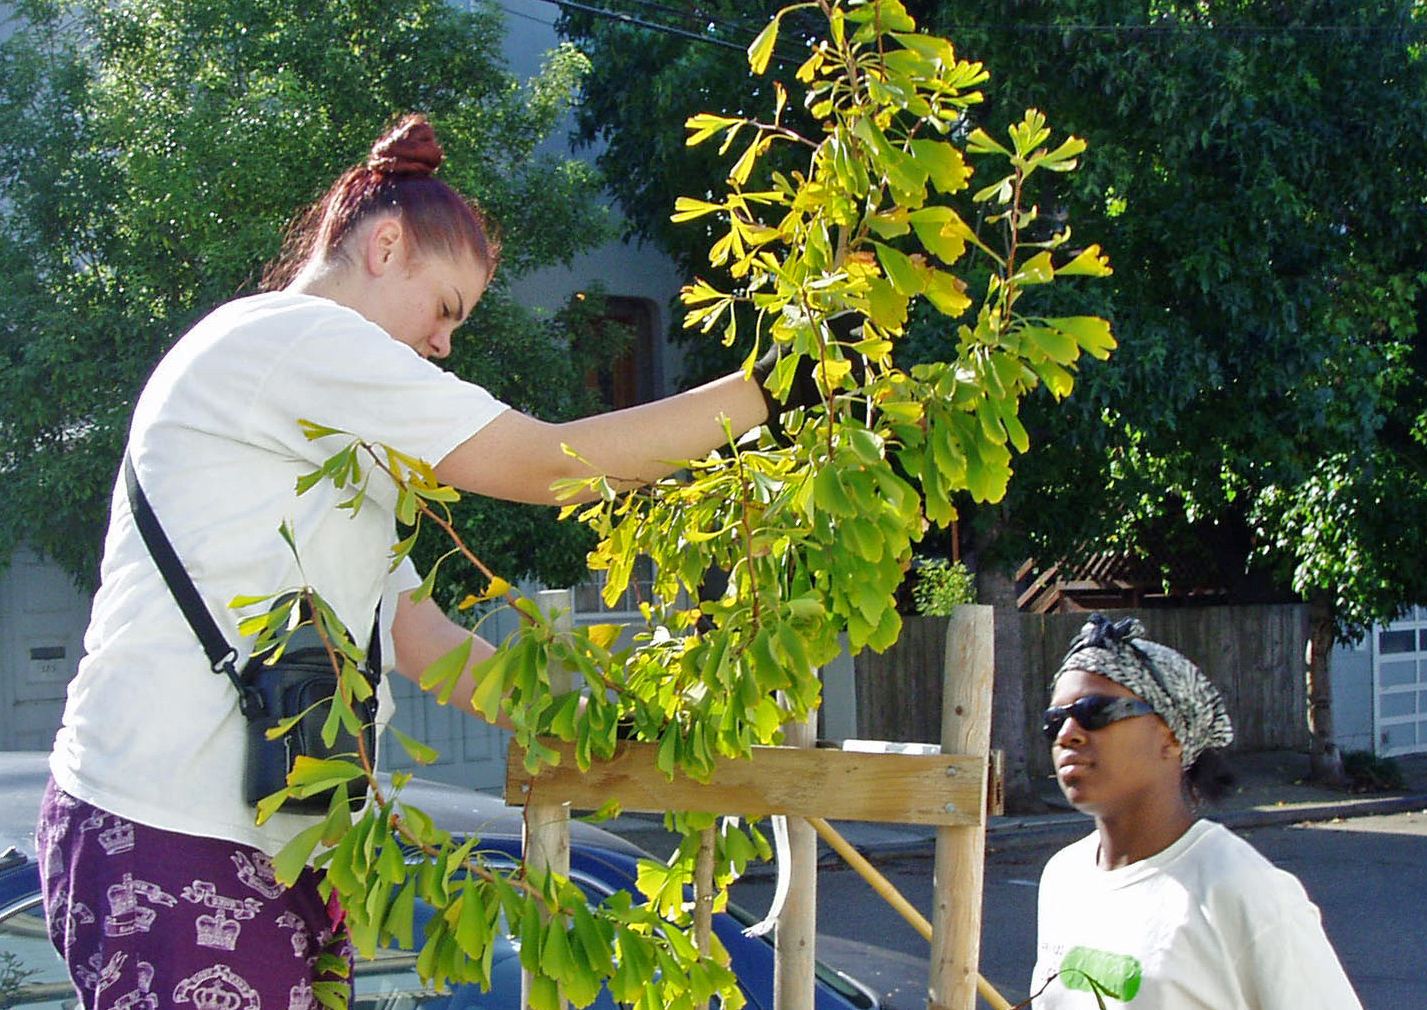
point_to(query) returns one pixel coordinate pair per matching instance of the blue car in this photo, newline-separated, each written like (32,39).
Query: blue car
(33,977)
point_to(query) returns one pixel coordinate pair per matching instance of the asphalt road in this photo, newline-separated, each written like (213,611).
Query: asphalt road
(1368,875)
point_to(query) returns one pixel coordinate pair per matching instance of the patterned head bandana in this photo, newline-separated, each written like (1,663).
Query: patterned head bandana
(1177,689)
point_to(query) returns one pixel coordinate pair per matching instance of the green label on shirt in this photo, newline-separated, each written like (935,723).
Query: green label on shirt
(1099,971)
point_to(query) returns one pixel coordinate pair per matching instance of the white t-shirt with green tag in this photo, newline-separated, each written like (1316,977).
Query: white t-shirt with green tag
(1207,924)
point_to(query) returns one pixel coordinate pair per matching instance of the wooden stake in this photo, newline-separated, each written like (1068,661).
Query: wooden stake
(704,892)
(795,939)
(961,851)
(546,826)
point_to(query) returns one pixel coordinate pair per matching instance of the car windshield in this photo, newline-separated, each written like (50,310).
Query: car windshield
(31,973)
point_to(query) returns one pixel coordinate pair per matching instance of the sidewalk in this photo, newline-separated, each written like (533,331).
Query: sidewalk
(1272,789)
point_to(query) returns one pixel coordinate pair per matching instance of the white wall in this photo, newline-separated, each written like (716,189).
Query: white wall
(42,621)
(625,269)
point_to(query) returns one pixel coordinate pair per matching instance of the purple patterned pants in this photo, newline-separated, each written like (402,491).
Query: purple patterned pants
(146,918)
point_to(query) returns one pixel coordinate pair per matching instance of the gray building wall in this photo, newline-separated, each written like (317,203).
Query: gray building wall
(1352,672)
(42,622)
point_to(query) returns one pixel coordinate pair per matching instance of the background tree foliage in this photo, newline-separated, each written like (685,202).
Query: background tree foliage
(1256,172)
(151,155)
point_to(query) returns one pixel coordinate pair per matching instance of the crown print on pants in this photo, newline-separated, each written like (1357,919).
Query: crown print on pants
(142,997)
(217,931)
(255,870)
(217,988)
(116,839)
(126,915)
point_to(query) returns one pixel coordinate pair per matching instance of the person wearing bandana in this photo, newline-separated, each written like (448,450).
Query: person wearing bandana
(1160,909)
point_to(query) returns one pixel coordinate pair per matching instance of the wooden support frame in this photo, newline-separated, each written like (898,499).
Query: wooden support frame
(942,789)
(950,790)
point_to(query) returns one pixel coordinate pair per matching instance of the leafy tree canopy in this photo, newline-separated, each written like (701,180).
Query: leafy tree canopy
(1255,173)
(151,155)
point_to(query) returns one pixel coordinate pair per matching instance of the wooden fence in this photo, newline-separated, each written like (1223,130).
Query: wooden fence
(1253,653)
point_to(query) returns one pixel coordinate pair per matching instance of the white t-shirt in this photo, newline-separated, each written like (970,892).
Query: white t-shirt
(149,732)
(1207,924)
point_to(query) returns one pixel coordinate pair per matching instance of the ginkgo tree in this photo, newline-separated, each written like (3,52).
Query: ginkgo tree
(810,520)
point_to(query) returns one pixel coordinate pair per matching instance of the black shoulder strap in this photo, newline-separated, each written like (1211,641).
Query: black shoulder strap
(222,657)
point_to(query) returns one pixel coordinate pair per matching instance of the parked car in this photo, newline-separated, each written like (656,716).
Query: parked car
(33,977)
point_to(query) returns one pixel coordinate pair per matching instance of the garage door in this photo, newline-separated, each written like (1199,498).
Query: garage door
(1400,679)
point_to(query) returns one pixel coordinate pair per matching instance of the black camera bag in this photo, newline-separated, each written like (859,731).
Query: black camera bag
(300,682)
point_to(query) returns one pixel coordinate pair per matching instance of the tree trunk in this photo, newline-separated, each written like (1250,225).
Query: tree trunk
(1325,763)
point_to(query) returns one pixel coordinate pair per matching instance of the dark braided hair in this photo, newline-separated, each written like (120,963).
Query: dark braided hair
(1209,779)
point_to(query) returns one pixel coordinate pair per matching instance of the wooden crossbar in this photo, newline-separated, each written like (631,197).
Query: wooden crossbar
(939,789)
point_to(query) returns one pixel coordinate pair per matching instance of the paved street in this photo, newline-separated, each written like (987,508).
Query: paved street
(1367,874)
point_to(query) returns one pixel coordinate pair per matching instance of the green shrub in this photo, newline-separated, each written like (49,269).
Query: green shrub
(939,584)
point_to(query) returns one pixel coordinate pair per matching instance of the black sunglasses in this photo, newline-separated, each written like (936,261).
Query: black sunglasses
(1094,711)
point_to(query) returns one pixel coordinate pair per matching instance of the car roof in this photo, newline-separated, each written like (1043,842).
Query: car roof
(465,811)
(23,775)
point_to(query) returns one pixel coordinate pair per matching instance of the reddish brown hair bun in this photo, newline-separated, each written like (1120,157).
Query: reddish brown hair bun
(396,179)
(409,149)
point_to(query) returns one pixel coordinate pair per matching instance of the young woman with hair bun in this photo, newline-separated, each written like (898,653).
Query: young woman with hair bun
(1158,909)
(157,879)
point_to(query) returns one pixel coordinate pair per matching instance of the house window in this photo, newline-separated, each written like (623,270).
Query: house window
(635,377)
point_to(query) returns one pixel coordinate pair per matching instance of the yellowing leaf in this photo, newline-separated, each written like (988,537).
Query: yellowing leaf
(1090,332)
(1055,344)
(886,307)
(1062,159)
(705,125)
(830,372)
(1090,263)
(760,50)
(498,587)
(1057,379)
(810,67)
(947,292)
(944,164)
(980,142)
(314,431)
(860,265)
(698,292)
(442,672)
(1036,270)
(891,223)
(875,348)
(928,46)
(1029,133)
(686,208)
